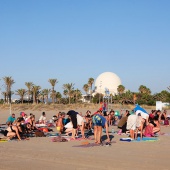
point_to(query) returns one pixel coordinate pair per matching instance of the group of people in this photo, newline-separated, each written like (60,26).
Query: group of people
(77,122)
(24,124)
(144,124)
(72,123)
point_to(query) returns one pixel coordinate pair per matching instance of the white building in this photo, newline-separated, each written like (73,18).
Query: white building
(107,82)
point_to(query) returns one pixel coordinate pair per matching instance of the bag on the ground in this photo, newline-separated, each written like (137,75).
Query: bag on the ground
(39,134)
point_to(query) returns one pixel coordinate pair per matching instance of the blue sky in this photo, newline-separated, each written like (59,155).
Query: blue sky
(73,40)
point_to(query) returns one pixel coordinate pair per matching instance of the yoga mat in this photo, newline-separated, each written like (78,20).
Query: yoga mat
(152,139)
(3,140)
(145,139)
(126,139)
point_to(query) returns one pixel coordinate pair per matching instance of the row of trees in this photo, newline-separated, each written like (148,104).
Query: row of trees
(34,93)
(144,96)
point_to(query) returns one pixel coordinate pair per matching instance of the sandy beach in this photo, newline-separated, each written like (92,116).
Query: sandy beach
(41,153)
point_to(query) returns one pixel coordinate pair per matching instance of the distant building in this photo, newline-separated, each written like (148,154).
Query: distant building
(107,82)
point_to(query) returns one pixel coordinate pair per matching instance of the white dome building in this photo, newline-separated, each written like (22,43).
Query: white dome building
(107,81)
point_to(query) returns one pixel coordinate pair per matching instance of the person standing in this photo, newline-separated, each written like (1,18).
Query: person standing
(100,122)
(77,120)
(73,117)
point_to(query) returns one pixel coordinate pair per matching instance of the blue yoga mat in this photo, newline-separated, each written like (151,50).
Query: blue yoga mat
(138,139)
(146,139)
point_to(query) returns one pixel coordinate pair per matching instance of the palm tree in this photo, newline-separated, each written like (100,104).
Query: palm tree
(141,88)
(127,97)
(77,93)
(40,96)
(46,92)
(5,96)
(90,83)
(120,89)
(65,92)
(86,88)
(144,89)
(35,91)
(53,96)
(53,83)
(29,86)
(148,91)
(58,97)
(68,90)
(21,93)
(8,82)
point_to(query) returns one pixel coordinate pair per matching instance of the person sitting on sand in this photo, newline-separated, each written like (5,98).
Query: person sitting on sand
(11,118)
(11,131)
(22,114)
(58,114)
(111,117)
(99,122)
(28,128)
(42,119)
(59,124)
(25,117)
(123,123)
(152,115)
(20,125)
(152,128)
(164,119)
(32,122)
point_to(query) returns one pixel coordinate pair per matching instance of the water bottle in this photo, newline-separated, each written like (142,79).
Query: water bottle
(112,131)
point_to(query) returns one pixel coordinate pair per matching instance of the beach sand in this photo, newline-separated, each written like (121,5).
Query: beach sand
(41,153)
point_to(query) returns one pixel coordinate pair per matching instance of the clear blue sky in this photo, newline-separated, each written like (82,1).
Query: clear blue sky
(73,40)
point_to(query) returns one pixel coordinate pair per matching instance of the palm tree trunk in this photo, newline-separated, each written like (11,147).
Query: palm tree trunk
(34,98)
(69,99)
(10,97)
(22,100)
(5,98)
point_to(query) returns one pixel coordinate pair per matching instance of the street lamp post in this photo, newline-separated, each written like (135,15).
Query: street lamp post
(100,90)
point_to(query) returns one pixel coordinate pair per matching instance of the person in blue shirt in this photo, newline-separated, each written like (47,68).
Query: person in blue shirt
(11,118)
(99,122)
